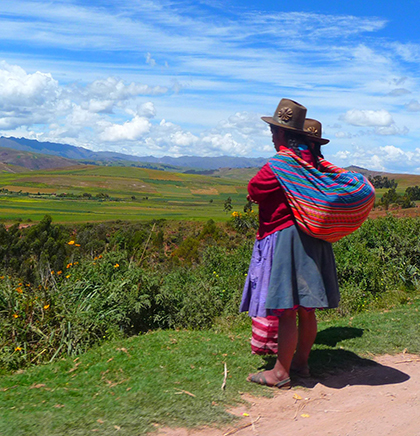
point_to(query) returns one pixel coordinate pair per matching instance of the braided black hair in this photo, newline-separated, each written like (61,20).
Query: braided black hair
(293,140)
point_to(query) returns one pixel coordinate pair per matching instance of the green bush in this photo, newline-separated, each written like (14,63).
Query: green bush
(243,222)
(63,289)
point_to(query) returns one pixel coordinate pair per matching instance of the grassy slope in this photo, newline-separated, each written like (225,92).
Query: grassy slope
(169,195)
(137,383)
(403,180)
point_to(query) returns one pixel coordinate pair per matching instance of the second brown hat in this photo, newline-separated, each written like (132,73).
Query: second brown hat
(313,130)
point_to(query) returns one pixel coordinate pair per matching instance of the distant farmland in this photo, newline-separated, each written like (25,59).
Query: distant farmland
(95,193)
(92,193)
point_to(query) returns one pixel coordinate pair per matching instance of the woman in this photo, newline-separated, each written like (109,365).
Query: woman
(291,273)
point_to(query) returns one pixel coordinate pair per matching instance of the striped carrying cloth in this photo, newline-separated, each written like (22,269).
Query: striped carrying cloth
(264,335)
(328,203)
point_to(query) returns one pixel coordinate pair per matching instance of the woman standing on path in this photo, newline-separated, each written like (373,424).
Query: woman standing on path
(291,273)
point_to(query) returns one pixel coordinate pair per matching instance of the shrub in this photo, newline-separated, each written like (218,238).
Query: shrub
(101,288)
(243,222)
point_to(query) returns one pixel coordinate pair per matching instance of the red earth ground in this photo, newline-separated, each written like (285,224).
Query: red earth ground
(380,399)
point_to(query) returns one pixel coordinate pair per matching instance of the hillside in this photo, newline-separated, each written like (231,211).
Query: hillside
(17,161)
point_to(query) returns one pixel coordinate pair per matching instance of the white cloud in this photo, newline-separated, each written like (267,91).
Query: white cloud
(150,60)
(391,130)
(116,89)
(357,117)
(25,98)
(384,158)
(409,52)
(391,152)
(129,131)
(147,110)
(216,143)
(19,89)
(342,134)
(183,139)
(342,155)
(245,123)
(99,106)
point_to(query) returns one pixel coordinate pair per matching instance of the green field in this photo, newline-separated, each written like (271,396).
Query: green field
(134,194)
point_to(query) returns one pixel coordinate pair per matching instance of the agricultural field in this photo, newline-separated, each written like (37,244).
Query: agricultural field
(92,193)
(102,193)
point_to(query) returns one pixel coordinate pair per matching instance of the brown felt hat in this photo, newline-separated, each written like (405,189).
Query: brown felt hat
(313,130)
(289,115)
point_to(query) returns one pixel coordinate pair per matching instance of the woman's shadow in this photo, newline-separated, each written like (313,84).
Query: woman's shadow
(337,368)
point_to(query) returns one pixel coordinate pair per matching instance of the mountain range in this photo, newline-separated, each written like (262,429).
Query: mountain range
(68,155)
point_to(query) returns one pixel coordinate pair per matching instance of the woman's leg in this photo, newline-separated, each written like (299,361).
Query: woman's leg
(287,340)
(307,331)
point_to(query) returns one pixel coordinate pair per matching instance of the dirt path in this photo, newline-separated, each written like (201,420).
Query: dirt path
(381,399)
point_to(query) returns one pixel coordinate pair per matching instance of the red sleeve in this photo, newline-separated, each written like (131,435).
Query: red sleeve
(263,184)
(274,211)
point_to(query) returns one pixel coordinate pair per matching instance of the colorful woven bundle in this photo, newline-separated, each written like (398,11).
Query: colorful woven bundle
(327,203)
(264,335)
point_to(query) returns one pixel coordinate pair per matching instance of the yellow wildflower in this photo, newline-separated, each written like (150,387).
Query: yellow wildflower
(70,242)
(67,276)
(100,256)
(52,273)
(18,349)
(47,306)
(59,272)
(77,245)
(2,277)
(19,290)
(15,315)
(69,265)
(116,265)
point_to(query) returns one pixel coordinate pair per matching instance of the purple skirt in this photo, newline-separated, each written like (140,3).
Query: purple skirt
(290,269)
(258,278)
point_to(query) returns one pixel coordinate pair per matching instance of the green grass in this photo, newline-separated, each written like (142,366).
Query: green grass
(137,383)
(169,195)
(69,210)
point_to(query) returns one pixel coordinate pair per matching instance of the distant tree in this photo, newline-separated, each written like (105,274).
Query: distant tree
(413,192)
(227,207)
(383,182)
(102,195)
(391,197)
(248,207)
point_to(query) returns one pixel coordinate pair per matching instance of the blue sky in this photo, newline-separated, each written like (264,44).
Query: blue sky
(194,77)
